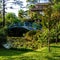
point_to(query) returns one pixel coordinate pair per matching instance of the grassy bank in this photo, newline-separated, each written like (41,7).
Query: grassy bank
(40,54)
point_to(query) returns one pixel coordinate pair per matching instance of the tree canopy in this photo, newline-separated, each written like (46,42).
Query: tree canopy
(11,18)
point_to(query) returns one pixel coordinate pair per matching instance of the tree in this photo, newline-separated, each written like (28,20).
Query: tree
(5,2)
(21,15)
(56,18)
(0,13)
(47,14)
(56,7)
(11,18)
(55,1)
(52,17)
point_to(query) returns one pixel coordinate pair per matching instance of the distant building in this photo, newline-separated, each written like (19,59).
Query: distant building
(43,1)
(39,7)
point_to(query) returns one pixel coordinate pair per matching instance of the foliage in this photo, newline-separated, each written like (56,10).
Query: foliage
(21,15)
(29,35)
(31,6)
(56,7)
(39,36)
(43,37)
(0,17)
(37,25)
(3,35)
(34,15)
(36,39)
(20,42)
(11,18)
(56,1)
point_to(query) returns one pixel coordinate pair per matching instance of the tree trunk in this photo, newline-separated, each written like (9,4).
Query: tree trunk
(3,13)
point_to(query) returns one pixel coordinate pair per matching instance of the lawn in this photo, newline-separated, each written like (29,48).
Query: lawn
(40,54)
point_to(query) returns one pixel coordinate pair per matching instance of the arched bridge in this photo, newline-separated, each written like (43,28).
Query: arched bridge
(18,30)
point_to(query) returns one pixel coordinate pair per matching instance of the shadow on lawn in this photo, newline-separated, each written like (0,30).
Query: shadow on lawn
(53,56)
(13,51)
(55,46)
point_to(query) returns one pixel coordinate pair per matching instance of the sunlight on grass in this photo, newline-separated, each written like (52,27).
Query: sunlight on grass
(41,49)
(39,54)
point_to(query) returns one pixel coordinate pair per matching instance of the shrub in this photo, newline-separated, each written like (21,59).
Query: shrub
(20,42)
(3,35)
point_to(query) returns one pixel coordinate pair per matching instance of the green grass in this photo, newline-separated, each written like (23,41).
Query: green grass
(40,54)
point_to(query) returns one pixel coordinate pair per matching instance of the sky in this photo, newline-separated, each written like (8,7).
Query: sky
(17,8)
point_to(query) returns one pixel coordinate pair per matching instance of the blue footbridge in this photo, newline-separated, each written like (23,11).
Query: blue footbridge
(18,29)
